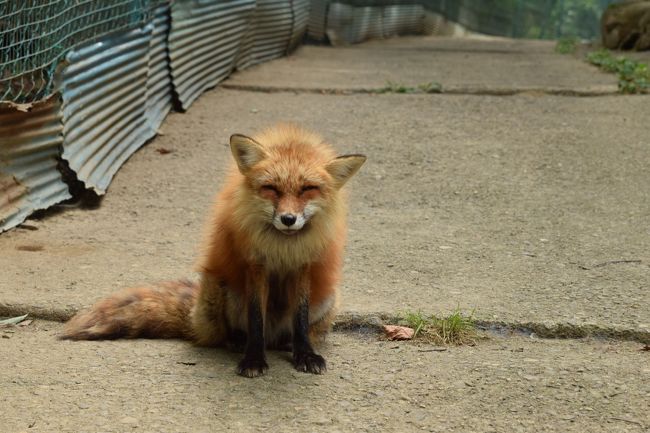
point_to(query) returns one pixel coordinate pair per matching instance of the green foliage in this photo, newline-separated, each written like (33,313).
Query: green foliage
(566,45)
(633,76)
(416,321)
(430,87)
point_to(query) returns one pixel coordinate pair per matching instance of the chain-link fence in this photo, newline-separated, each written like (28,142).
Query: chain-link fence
(36,34)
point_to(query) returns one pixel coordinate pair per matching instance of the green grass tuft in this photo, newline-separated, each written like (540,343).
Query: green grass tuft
(430,87)
(566,45)
(633,76)
(456,329)
(416,321)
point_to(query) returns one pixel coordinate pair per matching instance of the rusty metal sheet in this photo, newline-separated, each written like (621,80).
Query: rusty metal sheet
(29,148)
(204,43)
(104,100)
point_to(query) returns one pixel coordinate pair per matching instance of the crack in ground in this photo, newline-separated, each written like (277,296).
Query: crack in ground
(444,91)
(373,323)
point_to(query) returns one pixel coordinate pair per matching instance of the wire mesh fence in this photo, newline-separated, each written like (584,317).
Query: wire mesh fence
(36,34)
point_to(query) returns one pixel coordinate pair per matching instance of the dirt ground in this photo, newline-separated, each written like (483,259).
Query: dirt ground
(506,384)
(529,209)
(459,65)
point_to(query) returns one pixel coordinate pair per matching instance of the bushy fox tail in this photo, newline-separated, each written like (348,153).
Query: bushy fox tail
(160,311)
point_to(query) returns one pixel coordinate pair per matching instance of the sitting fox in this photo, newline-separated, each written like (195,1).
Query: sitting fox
(273,257)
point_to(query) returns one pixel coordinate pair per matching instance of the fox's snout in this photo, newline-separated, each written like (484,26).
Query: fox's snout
(289,221)
(291,209)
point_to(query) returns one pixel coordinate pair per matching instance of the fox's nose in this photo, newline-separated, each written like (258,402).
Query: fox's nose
(288,219)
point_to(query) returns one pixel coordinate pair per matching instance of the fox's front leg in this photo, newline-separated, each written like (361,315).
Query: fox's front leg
(304,357)
(254,362)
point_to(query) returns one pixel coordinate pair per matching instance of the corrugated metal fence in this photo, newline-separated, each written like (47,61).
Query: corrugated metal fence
(96,100)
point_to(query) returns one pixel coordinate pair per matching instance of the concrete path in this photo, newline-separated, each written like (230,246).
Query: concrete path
(502,385)
(531,210)
(499,66)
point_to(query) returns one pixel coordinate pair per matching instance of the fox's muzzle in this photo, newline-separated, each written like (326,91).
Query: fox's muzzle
(289,223)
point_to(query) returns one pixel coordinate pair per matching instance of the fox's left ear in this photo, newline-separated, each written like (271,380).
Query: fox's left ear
(344,167)
(246,151)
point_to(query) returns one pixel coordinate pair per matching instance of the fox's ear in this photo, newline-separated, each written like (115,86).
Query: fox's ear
(344,167)
(246,151)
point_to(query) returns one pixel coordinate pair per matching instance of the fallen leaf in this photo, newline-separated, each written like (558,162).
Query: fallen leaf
(164,151)
(394,332)
(25,323)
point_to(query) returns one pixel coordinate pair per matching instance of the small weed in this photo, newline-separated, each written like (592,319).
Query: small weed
(633,76)
(416,321)
(430,87)
(393,87)
(566,45)
(456,328)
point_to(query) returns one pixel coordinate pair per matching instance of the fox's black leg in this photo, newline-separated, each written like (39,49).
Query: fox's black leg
(304,357)
(254,362)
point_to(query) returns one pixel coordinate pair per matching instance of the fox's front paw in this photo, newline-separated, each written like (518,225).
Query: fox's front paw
(252,367)
(309,362)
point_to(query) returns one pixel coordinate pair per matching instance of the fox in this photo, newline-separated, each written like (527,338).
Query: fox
(270,264)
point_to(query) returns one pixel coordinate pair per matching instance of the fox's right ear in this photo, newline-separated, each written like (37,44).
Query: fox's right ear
(246,151)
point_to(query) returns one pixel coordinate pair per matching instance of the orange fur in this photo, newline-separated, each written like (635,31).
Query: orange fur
(250,253)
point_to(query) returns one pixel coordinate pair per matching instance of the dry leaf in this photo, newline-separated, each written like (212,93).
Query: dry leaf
(394,332)
(164,151)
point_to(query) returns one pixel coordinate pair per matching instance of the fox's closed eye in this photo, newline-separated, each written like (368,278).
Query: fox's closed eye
(310,188)
(270,188)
